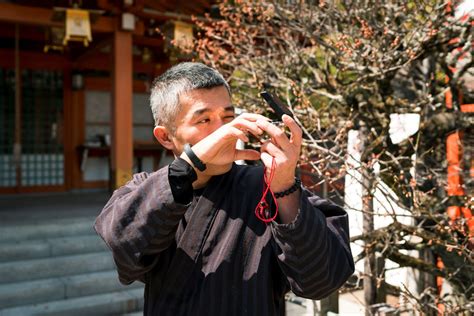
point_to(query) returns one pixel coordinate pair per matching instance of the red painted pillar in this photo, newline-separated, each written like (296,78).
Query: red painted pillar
(122,114)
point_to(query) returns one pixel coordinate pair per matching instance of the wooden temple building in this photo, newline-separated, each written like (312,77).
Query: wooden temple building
(75,77)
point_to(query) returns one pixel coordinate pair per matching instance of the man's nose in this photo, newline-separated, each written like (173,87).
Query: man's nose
(218,123)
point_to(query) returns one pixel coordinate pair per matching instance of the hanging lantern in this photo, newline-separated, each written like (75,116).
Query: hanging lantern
(78,26)
(183,35)
(54,39)
(178,39)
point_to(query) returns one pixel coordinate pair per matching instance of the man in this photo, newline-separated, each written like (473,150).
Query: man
(189,230)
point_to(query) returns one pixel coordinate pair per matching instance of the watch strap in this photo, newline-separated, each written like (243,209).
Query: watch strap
(201,166)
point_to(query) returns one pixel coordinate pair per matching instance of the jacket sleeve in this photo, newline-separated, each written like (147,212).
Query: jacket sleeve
(138,222)
(313,251)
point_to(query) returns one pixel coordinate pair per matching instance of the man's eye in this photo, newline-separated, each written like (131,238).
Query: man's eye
(229,117)
(206,120)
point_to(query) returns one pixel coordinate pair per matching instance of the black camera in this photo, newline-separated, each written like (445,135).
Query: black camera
(276,104)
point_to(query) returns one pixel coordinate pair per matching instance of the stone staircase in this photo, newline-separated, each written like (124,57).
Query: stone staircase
(60,267)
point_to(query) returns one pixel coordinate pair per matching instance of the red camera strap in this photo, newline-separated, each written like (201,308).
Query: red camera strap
(263,209)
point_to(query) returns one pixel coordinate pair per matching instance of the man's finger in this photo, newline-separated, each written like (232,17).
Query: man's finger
(247,154)
(247,126)
(252,117)
(276,133)
(234,132)
(271,149)
(266,159)
(296,132)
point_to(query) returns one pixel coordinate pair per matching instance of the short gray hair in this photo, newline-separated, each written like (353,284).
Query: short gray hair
(180,79)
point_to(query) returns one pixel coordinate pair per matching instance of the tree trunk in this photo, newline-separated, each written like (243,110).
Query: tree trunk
(370,286)
(330,303)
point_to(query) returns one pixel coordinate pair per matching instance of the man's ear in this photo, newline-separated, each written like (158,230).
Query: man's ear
(163,136)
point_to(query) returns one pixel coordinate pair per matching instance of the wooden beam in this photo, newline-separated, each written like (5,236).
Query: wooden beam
(34,60)
(93,184)
(148,13)
(95,47)
(95,61)
(27,33)
(192,7)
(14,13)
(41,188)
(122,125)
(148,41)
(106,5)
(159,5)
(171,10)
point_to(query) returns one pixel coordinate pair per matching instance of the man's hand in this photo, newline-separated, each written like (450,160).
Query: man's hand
(285,151)
(219,148)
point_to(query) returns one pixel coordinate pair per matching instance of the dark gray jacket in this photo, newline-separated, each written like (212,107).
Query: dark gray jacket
(213,256)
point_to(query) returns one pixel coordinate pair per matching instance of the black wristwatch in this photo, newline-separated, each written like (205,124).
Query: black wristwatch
(201,166)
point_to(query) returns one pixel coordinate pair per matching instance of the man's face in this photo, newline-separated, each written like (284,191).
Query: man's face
(202,112)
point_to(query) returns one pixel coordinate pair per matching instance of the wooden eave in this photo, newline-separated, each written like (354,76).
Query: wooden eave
(14,13)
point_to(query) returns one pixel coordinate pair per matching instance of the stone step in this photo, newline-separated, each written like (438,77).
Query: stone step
(94,283)
(44,290)
(17,271)
(51,229)
(61,246)
(115,303)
